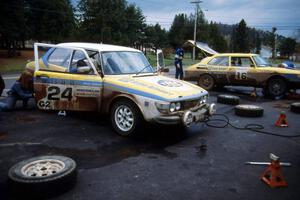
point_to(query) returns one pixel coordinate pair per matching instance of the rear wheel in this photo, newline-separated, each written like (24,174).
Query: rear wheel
(276,87)
(206,81)
(125,117)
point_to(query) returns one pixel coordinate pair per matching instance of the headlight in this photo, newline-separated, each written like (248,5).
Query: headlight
(162,107)
(205,98)
(172,107)
(178,106)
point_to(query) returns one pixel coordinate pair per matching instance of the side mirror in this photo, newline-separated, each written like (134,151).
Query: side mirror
(84,69)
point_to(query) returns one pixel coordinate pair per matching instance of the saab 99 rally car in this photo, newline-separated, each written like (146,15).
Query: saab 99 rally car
(115,80)
(243,70)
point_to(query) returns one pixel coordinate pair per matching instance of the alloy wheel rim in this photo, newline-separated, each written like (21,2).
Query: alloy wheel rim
(42,168)
(124,118)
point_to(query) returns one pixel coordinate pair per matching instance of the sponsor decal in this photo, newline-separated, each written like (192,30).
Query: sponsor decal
(169,83)
(87,92)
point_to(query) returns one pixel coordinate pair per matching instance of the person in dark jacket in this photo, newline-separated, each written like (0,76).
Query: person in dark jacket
(21,90)
(178,63)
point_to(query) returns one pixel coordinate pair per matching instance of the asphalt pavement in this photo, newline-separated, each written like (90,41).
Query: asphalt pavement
(162,162)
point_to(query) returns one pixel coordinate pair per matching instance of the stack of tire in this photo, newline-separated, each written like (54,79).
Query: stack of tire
(241,110)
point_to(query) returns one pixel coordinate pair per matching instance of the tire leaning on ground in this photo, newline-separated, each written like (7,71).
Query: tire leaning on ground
(249,111)
(125,118)
(228,99)
(42,177)
(206,81)
(276,87)
(295,107)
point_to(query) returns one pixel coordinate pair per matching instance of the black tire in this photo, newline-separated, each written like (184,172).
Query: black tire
(228,99)
(2,85)
(277,87)
(219,87)
(295,107)
(23,184)
(136,115)
(206,81)
(249,111)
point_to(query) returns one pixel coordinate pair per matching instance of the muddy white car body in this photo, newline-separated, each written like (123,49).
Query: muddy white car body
(115,80)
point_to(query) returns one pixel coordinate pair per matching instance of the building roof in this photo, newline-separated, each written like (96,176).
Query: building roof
(97,46)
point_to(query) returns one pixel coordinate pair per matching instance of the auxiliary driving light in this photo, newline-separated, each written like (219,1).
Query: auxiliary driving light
(212,109)
(188,118)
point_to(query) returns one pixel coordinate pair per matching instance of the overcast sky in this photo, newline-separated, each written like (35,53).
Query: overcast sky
(263,14)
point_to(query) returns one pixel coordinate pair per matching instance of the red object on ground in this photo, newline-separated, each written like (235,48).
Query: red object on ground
(282,120)
(273,176)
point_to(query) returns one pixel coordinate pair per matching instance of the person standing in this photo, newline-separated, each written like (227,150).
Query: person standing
(178,63)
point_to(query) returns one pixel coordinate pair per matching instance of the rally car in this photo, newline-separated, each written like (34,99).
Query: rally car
(243,70)
(115,80)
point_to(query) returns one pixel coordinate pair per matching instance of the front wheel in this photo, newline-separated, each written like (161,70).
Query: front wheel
(206,81)
(277,87)
(125,118)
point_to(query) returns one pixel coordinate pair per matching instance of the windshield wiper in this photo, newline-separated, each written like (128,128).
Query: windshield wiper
(143,69)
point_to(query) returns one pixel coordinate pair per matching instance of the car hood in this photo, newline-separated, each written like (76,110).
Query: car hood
(155,86)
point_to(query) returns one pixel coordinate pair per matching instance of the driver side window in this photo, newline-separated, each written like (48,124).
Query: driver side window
(80,64)
(59,59)
(241,62)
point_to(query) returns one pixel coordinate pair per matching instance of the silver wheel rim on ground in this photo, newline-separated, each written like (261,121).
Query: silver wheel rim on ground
(124,118)
(42,168)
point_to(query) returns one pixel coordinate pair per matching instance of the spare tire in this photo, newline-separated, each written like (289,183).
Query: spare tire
(228,99)
(249,111)
(295,107)
(42,177)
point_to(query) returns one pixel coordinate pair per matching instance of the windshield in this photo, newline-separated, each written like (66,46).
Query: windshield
(260,62)
(125,62)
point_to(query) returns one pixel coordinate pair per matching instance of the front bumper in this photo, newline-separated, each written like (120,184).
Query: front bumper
(188,117)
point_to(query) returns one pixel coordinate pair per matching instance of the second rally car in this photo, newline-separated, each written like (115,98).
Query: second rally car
(243,70)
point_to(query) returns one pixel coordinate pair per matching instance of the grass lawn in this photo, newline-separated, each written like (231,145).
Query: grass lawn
(15,64)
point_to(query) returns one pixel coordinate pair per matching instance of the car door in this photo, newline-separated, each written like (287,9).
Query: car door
(242,71)
(69,89)
(218,68)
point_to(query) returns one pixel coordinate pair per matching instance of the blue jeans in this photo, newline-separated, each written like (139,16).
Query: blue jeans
(11,102)
(179,70)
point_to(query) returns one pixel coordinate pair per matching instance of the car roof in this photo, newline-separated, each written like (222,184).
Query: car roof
(235,54)
(97,46)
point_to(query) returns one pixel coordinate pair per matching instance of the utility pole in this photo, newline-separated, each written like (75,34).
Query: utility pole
(195,26)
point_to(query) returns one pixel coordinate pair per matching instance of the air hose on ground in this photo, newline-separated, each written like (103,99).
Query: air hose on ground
(224,121)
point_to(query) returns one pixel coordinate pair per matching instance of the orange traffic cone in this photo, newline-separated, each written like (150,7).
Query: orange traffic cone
(282,121)
(273,176)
